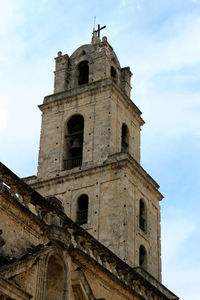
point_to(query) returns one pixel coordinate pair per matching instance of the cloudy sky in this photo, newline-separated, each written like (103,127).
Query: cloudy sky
(160,41)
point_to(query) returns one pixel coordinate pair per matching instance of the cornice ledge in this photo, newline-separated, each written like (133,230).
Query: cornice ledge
(121,156)
(22,263)
(9,288)
(36,226)
(110,162)
(67,174)
(89,88)
(79,90)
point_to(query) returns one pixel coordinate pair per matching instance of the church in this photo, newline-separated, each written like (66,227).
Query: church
(87,227)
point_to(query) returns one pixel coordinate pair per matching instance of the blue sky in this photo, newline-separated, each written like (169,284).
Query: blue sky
(160,41)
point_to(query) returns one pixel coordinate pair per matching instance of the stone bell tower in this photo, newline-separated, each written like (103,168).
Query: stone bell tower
(89,155)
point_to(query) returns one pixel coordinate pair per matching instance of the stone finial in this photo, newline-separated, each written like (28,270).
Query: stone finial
(95,38)
(59,53)
(104,39)
(55,202)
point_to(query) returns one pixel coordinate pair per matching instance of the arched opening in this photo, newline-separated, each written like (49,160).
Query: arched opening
(124,139)
(55,279)
(142,215)
(74,142)
(83,72)
(142,257)
(82,211)
(113,73)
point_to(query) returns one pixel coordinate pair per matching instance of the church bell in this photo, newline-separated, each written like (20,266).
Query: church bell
(76,145)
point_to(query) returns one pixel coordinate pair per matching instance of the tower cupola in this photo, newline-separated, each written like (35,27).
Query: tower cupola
(88,64)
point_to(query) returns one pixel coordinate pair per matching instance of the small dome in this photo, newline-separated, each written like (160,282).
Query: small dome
(90,52)
(91,63)
(86,49)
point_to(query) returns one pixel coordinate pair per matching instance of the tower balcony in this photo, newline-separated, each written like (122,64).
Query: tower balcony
(72,162)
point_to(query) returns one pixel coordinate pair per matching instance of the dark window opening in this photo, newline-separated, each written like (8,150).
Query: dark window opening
(142,215)
(124,139)
(142,257)
(83,72)
(74,142)
(82,212)
(113,73)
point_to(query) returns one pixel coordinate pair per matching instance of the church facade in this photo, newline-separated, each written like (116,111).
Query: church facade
(88,225)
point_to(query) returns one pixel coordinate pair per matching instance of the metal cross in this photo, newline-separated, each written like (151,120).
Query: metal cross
(98,30)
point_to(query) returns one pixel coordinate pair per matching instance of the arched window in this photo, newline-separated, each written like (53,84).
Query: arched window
(82,210)
(142,215)
(113,73)
(55,285)
(142,257)
(74,142)
(83,72)
(124,139)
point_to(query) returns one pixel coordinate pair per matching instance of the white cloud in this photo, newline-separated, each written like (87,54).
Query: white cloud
(150,56)
(138,5)
(182,280)
(9,15)
(172,114)
(175,233)
(131,4)
(180,272)
(4,118)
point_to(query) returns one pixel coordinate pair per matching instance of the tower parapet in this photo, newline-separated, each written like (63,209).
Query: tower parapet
(89,64)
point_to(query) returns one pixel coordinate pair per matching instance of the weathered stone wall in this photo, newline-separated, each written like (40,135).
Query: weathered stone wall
(101,285)
(114,193)
(9,290)
(28,280)
(19,230)
(104,113)
(121,112)
(150,238)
